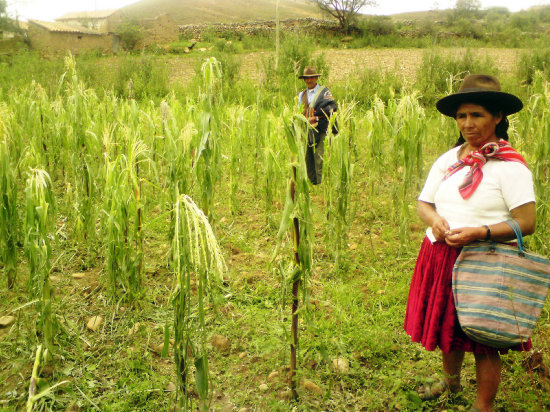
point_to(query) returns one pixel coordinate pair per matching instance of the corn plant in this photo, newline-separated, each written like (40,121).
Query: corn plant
(376,138)
(197,261)
(274,167)
(212,81)
(9,221)
(407,119)
(339,188)
(297,217)
(83,150)
(122,223)
(207,163)
(27,123)
(178,155)
(534,144)
(34,395)
(234,126)
(258,143)
(39,225)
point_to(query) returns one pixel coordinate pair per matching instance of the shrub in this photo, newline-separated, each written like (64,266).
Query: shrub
(438,72)
(467,28)
(130,34)
(377,25)
(226,46)
(385,84)
(524,21)
(532,61)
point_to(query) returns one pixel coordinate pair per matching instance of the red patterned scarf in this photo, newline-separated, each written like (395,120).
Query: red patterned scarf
(501,151)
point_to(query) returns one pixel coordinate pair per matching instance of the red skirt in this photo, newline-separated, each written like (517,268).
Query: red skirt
(431,315)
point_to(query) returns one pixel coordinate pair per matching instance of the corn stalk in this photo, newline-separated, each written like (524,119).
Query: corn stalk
(297,218)
(122,223)
(534,144)
(39,224)
(197,261)
(208,155)
(83,149)
(9,221)
(407,119)
(339,188)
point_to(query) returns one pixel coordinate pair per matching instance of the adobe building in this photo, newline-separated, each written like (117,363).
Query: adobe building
(96,30)
(103,21)
(56,38)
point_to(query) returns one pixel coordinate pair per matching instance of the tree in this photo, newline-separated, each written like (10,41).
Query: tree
(130,33)
(467,8)
(345,11)
(4,21)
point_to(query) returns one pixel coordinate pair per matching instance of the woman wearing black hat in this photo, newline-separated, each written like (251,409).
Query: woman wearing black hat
(469,194)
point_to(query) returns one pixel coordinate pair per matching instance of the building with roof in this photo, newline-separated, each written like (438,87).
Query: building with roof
(103,21)
(56,38)
(96,30)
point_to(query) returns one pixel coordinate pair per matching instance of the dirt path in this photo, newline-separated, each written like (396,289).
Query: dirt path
(344,63)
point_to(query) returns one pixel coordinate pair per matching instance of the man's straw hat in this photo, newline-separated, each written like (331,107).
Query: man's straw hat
(479,89)
(309,71)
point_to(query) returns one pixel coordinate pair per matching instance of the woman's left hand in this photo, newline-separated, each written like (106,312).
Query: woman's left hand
(464,235)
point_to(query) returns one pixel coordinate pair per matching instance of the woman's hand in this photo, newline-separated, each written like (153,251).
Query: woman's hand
(428,214)
(464,235)
(440,228)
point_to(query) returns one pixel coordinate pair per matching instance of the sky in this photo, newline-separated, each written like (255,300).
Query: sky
(50,9)
(400,6)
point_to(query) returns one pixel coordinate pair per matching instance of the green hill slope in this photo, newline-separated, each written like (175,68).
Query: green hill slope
(221,11)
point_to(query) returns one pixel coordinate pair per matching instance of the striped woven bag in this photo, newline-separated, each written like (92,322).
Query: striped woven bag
(499,291)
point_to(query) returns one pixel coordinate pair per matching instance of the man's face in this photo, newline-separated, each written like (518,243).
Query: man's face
(310,82)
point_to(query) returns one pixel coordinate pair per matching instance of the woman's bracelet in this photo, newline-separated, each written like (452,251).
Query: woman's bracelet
(488,235)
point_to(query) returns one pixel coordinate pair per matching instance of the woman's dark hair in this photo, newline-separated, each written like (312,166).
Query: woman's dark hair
(501,129)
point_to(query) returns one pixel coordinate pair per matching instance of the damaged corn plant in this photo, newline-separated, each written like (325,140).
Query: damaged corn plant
(198,265)
(338,189)
(123,222)
(297,218)
(39,230)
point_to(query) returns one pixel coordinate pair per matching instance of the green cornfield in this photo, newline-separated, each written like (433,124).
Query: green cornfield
(147,252)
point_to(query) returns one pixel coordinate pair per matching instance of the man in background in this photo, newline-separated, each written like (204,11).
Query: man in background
(318,105)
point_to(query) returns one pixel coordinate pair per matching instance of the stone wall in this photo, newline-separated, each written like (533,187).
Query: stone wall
(259,27)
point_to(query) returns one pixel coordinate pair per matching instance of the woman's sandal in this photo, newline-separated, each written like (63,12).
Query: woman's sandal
(432,391)
(428,392)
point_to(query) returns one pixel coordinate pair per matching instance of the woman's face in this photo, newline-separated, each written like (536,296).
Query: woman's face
(476,124)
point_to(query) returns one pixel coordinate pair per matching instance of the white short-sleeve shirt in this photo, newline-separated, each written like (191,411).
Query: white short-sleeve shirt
(505,186)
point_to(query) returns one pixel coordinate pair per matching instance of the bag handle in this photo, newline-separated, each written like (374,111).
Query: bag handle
(517,231)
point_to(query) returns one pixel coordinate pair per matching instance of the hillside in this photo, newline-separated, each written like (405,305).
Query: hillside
(221,11)
(421,16)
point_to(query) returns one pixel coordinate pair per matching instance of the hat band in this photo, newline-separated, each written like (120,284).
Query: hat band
(477,89)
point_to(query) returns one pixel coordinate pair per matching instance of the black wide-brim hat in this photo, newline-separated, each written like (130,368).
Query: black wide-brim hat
(479,89)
